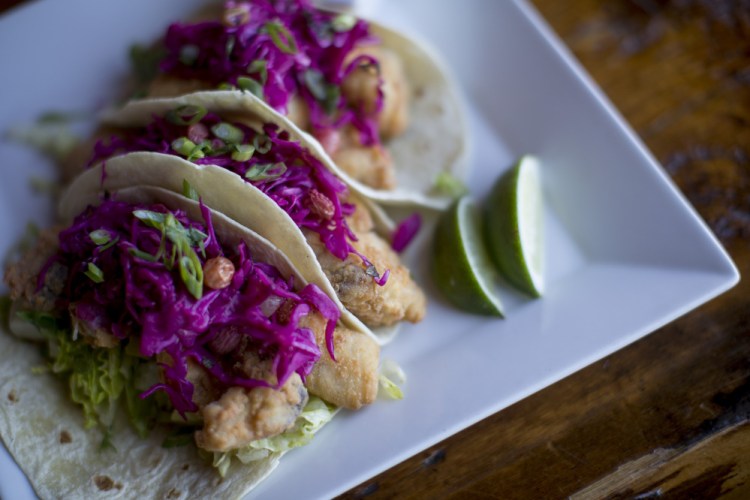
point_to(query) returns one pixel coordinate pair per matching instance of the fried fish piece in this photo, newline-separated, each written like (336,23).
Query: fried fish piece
(360,88)
(351,381)
(371,165)
(242,415)
(398,300)
(22,276)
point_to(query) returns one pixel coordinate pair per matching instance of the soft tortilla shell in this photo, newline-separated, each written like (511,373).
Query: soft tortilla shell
(37,418)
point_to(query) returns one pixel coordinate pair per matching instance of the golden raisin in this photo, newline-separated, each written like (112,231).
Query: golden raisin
(320,204)
(218,273)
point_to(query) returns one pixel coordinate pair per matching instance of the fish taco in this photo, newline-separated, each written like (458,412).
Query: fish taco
(171,346)
(380,103)
(255,166)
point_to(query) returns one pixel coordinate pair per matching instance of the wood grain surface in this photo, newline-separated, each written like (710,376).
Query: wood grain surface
(667,416)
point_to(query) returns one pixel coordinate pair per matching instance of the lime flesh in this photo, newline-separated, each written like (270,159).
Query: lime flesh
(460,267)
(514,226)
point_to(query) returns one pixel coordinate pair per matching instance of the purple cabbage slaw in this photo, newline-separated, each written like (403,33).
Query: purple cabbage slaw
(115,284)
(277,49)
(405,232)
(279,167)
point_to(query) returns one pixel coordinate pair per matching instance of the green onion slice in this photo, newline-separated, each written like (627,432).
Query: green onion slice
(265,171)
(327,94)
(228,133)
(189,191)
(243,152)
(262,143)
(183,146)
(94,273)
(253,86)
(183,241)
(281,37)
(259,66)
(152,219)
(186,115)
(189,54)
(230,45)
(343,23)
(191,272)
(100,237)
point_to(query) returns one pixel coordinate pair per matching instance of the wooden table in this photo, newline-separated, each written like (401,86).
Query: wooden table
(667,416)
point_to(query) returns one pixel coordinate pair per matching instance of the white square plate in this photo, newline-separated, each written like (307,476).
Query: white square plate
(625,252)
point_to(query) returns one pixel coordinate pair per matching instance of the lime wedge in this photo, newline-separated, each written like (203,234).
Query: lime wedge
(461,268)
(514,226)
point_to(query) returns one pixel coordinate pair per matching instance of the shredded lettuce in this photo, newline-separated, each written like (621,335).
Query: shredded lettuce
(95,376)
(446,184)
(391,378)
(388,389)
(53,139)
(314,416)
(98,379)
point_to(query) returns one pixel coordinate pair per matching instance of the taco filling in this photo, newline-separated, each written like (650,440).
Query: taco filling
(143,308)
(277,166)
(366,274)
(325,71)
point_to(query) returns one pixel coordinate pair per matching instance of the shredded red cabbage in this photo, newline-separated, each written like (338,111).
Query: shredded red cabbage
(405,232)
(287,47)
(281,168)
(124,278)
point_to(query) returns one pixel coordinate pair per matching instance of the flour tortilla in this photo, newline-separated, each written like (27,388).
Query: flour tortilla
(43,430)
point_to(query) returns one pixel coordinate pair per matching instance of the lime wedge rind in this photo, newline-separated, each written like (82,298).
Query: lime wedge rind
(461,267)
(530,210)
(514,226)
(479,260)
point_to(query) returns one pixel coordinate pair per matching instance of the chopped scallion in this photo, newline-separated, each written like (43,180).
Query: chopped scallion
(191,273)
(189,191)
(259,66)
(243,152)
(281,37)
(94,273)
(100,237)
(189,54)
(327,94)
(262,143)
(266,171)
(185,147)
(248,84)
(343,23)
(228,133)
(186,115)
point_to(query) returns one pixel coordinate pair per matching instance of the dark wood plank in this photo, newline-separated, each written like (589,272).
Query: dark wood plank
(717,466)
